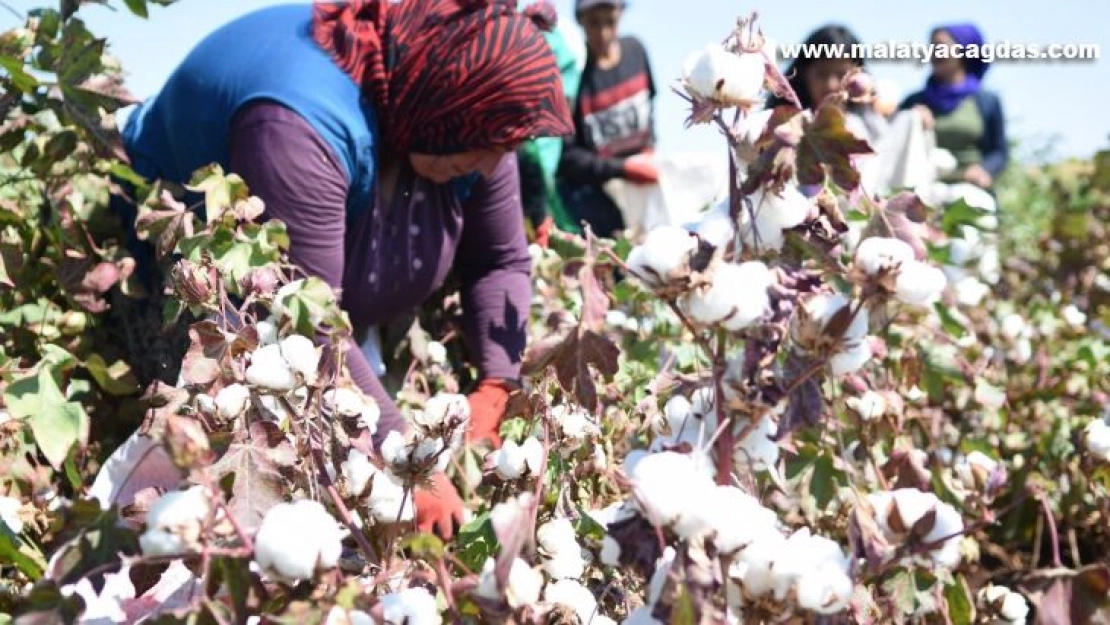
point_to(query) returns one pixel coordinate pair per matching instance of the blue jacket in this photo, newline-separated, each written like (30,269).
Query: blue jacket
(993,145)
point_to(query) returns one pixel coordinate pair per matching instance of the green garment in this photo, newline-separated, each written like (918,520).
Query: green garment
(548,150)
(960,132)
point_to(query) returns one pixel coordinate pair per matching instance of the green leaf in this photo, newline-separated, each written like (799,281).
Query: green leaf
(823,484)
(477,542)
(20,79)
(117,379)
(15,551)
(427,547)
(138,7)
(684,612)
(960,213)
(961,609)
(56,423)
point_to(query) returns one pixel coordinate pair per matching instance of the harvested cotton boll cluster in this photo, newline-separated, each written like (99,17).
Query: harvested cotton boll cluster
(558,545)
(1003,604)
(735,299)
(296,540)
(723,77)
(175,523)
(352,405)
(668,258)
(282,367)
(910,515)
(387,499)
(513,461)
(828,325)
(892,261)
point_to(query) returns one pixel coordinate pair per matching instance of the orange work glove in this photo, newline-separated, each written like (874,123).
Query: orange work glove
(543,232)
(438,507)
(640,169)
(487,408)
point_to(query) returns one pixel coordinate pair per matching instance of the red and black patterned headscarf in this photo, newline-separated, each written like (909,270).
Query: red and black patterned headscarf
(448,76)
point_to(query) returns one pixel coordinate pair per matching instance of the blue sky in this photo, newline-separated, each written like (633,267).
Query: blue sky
(1065,100)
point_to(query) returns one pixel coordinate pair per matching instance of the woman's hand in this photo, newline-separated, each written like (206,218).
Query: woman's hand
(487,409)
(641,169)
(543,232)
(438,507)
(976,175)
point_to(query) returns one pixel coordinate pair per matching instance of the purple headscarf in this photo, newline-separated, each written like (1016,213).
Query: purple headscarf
(943,98)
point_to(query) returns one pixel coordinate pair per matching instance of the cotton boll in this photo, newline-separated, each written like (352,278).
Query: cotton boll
(443,410)
(801,554)
(267,332)
(870,405)
(411,606)
(1097,439)
(772,215)
(919,284)
(9,514)
(1003,603)
(610,551)
(297,539)
(850,361)
(715,226)
(509,461)
(757,451)
(269,370)
(302,356)
(970,291)
(557,541)
(947,527)
(358,471)
(677,411)
(754,565)
(394,449)
(724,77)
(575,596)
(736,299)
(522,588)
(875,254)
(663,254)
(667,484)
(174,522)
(737,519)
(232,400)
(575,424)
(1073,316)
(437,353)
(389,503)
(826,589)
(428,449)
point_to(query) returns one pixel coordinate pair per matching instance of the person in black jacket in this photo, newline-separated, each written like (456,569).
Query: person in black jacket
(613,117)
(966,118)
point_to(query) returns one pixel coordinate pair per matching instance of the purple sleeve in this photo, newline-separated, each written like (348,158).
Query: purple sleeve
(296,174)
(495,268)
